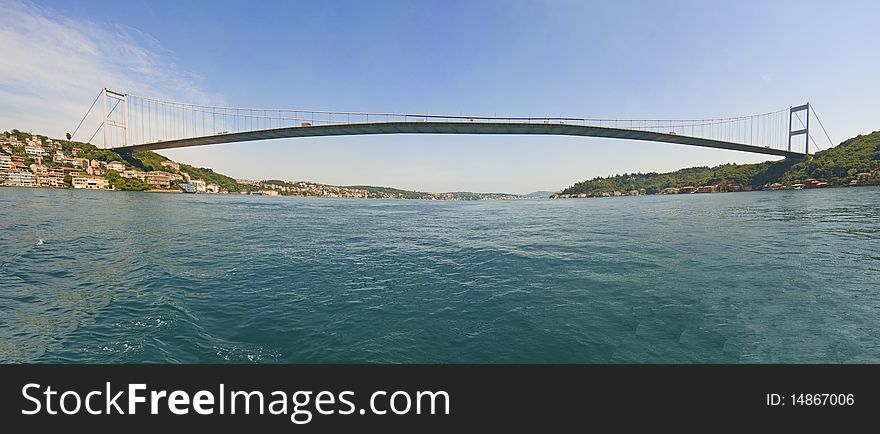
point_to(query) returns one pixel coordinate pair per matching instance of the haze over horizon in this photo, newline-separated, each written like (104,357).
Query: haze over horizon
(566,58)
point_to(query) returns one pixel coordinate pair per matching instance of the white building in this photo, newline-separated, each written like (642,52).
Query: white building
(90,182)
(200,185)
(34,151)
(18,178)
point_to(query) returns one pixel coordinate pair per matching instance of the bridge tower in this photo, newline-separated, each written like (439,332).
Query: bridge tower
(792,112)
(112,100)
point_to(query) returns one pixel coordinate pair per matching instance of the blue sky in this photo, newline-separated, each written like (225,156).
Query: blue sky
(600,59)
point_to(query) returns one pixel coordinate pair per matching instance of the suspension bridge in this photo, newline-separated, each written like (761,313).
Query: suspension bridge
(133,123)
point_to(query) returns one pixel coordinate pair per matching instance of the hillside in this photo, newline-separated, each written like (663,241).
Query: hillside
(840,164)
(151,161)
(147,161)
(858,157)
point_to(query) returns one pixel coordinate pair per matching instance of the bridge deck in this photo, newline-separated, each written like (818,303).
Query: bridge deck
(456,128)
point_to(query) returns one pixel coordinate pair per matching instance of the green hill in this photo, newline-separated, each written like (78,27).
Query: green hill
(143,160)
(837,166)
(840,164)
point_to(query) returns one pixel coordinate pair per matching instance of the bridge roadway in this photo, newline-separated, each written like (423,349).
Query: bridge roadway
(512,128)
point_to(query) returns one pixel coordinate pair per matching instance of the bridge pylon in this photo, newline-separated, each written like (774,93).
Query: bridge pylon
(805,131)
(112,118)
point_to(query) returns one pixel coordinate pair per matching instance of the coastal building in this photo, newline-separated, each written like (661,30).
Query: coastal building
(171,165)
(5,162)
(707,189)
(133,174)
(34,151)
(39,169)
(212,188)
(199,185)
(671,190)
(95,169)
(115,166)
(687,190)
(82,163)
(815,183)
(18,178)
(90,182)
(158,179)
(50,181)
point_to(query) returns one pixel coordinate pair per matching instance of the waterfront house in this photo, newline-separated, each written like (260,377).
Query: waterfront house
(687,190)
(815,183)
(51,181)
(90,182)
(5,162)
(158,179)
(199,185)
(17,178)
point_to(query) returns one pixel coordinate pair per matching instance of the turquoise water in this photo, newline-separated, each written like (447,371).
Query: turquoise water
(138,277)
